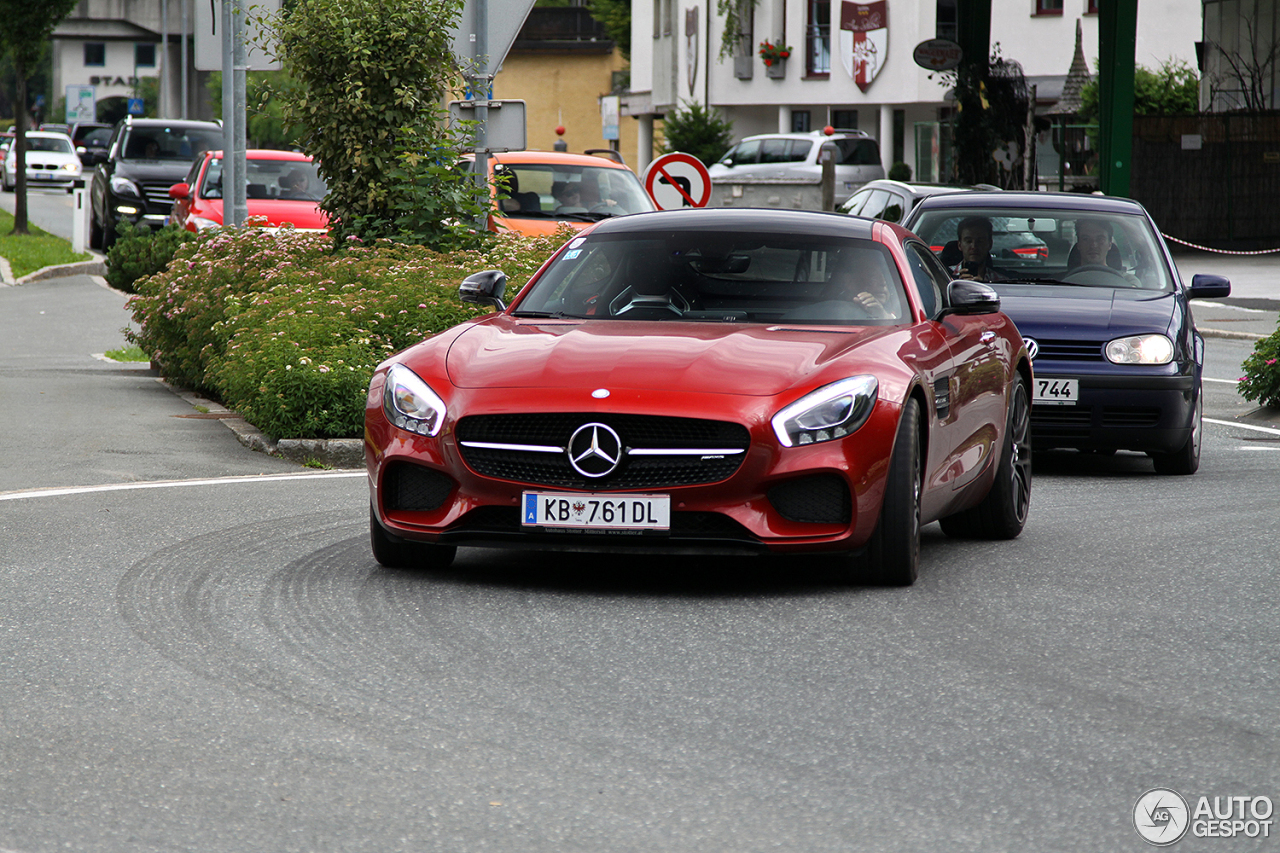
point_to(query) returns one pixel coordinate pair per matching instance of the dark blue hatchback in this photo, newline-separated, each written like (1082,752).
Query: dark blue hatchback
(1116,354)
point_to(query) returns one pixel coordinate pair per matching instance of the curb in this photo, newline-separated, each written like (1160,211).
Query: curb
(1237,336)
(329,452)
(96,266)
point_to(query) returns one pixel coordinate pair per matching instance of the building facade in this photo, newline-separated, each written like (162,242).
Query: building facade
(851,63)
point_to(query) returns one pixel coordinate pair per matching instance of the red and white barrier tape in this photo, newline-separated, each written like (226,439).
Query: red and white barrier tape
(1220,251)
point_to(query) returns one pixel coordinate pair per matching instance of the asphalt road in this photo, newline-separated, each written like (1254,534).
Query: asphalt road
(199,653)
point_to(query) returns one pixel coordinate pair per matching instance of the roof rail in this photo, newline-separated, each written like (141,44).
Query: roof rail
(607,152)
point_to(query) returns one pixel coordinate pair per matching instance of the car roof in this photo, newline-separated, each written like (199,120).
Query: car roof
(561,157)
(816,222)
(1022,200)
(811,135)
(56,134)
(171,122)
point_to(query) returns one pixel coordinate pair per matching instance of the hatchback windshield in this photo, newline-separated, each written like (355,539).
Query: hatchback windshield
(287,180)
(558,191)
(1077,247)
(721,277)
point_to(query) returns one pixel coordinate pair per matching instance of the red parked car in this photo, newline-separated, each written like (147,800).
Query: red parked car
(720,381)
(284,188)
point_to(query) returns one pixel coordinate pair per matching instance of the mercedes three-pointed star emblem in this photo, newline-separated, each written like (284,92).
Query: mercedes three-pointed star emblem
(594,450)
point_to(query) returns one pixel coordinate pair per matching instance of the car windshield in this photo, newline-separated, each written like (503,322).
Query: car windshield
(1077,247)
(169,143)
(721,277)
(50,143)
(576,193)
(283,180)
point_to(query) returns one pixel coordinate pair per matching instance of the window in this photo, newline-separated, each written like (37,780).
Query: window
(817,54)
(95,54)
(844,119)
(1048,7)
(144,55)
(800,121)
(1091,7)
(947,27)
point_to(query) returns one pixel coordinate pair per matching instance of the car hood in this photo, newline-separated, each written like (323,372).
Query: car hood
(1086,312)
(689,357)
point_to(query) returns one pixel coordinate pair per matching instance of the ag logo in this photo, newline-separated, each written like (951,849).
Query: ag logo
(594,450)
(1161,816)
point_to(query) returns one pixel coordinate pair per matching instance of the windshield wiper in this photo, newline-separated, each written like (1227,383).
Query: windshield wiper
(547,315)
(1047,281)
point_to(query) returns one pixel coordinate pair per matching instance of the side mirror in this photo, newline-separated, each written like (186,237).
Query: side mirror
(484,288)
(970,297)
(178,192)
(1205,286)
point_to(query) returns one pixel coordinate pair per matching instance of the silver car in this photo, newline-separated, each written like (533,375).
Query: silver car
(794,156)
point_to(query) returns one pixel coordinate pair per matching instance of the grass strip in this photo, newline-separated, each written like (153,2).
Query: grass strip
(27,253)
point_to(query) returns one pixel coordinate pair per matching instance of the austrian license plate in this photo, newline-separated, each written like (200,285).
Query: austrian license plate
(599,512)
(44,176)
(1057,392)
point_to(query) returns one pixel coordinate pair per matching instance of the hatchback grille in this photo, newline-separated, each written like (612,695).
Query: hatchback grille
(1130,416)
(697,451)
(1068,350)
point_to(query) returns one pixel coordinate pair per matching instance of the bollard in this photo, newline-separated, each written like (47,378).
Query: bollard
(79,218)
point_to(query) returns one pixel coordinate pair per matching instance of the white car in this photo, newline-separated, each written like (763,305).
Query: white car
(51,161)
(794,156)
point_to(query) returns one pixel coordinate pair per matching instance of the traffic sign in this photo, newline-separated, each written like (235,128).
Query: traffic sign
(677,180)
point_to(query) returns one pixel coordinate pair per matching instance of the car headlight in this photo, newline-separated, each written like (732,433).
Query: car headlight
(832,411)
(200,223)
(124,186)
(410,404)
(1140,349)
(74,168)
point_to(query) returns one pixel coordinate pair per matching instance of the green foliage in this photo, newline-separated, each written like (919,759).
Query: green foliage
(148,89)
(367,78)
(265,111)
(139,252)
(697,130)
(1172,89)
(1261,380)
(287,331)
(899,172)
(992,110)
(616,17)
(34,250)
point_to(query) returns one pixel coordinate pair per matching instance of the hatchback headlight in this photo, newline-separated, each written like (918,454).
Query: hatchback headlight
(831,412)
(410,404)
(1140,349)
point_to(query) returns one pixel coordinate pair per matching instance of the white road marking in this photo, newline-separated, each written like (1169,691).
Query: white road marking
(1268,430)
(170,484)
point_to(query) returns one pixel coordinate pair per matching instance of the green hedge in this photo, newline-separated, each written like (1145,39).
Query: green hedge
(287,332)
(1261,380)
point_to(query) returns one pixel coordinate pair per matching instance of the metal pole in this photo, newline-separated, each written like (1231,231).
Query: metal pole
(480,82)
(186,33)
(163,106)
(241,65)
(228,113)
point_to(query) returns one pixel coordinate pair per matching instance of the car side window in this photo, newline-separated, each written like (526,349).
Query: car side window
(930,275)
(856,202)
(774,151)
(876,204)
(746,153)
(799,150)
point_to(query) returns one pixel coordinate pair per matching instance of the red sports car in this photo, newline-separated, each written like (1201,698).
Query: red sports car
(719,381)
(284,189)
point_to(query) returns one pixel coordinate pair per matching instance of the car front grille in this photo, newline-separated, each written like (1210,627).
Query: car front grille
(705,526)
(657,452)
(158,193)
(414,488)
(816,500)
(1069,350)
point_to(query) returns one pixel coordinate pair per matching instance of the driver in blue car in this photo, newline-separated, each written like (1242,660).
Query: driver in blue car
(975,240)
(1095,248)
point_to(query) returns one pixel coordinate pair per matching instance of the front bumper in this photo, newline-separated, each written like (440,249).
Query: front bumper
(1149,414)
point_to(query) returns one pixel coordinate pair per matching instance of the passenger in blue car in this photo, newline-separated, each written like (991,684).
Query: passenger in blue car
(975,240)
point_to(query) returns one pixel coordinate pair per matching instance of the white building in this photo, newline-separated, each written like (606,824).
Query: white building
(675,47)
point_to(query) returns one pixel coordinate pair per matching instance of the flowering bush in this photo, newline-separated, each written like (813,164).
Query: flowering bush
(772,53)
(287,332)
(1261,380)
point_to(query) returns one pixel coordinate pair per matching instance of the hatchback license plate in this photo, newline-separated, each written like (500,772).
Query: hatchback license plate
(1057,392)
(602,512)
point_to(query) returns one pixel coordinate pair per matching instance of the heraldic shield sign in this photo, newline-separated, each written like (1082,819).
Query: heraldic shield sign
(864,39)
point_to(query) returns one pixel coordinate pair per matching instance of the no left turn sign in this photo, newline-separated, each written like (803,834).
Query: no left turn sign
(677,180)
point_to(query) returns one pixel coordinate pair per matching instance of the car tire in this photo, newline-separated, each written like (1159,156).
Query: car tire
(1185,460)
(400,554)
(892,557)
(1003,512)
(95,232)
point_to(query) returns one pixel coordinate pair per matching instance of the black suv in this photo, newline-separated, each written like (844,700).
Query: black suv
(144,158)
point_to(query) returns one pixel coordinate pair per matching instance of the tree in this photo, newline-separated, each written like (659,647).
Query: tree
(25,28)
(697,130)
(1172,89)
(366,81)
